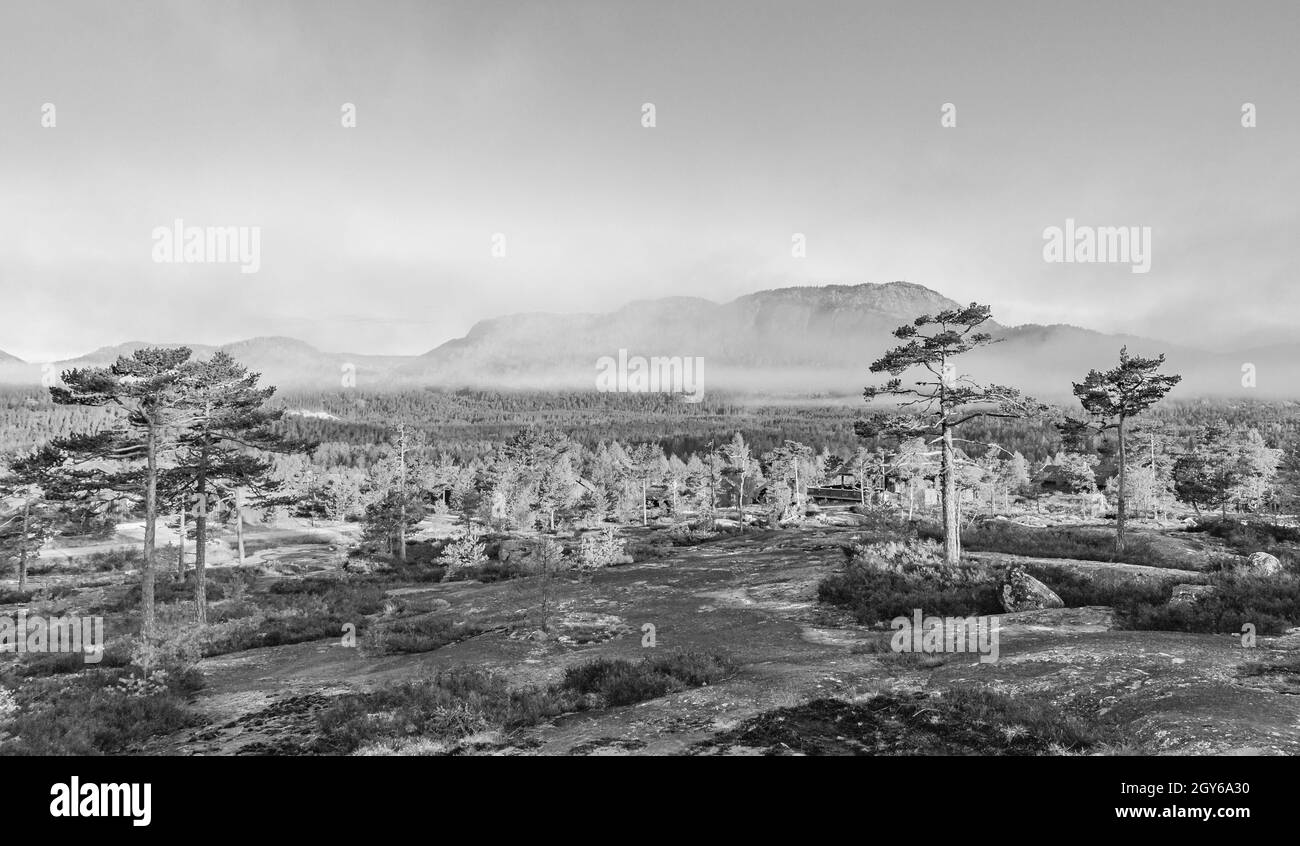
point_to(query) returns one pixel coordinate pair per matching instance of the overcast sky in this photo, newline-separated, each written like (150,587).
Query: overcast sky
(524,119)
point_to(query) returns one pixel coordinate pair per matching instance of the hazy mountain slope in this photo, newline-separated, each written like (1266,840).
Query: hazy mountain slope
(788,341)
(833,327)
(805,339)
(285,362)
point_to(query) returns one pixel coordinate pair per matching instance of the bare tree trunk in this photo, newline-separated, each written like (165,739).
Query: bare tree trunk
(1123,494)
(713,494)
(740,502)
(951,522)
(148,617)
(645,511)
(239,521)
(1155,482)
(201,551)
(22,547)
(180,541)
(401,481)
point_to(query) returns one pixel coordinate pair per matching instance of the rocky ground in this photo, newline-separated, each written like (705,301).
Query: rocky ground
(754,597)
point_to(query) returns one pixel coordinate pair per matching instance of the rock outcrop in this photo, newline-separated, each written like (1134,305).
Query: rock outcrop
(1260,564)
(1022,592)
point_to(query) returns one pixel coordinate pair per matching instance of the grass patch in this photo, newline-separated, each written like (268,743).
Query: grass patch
(295,611)
(1244,537)
(89,714)
(875,595)
(1080,543)
(620,682)
(218,584)
(883,649)
(963,721)
(116,654)
(419,634)
(462,703)
(26,597)
(1078,590)
(1270,603)
(127,558)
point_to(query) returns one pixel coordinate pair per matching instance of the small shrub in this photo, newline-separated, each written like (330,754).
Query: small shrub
(1087,544)
(961,721)
(467,552)
(129,558)
(687,534)
(1270,603)
(463,702)
(620,682)
(600,548)
(1077,590)
(418,634)
(882,581)
(92,713)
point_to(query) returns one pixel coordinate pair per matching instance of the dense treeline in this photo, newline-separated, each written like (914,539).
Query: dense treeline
(469,424)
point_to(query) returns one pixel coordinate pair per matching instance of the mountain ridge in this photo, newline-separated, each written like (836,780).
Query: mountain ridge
(808,338)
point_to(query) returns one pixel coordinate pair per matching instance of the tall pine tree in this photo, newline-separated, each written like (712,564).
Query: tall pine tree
(942,400)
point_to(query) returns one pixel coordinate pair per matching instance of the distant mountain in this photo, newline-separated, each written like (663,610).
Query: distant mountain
(285,362)
(791,341)
(810,340)
(6,358)
(771,339)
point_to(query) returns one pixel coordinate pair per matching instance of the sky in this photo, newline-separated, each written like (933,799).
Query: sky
(525,120)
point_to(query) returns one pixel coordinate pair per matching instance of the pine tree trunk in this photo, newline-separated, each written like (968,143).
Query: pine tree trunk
(1155,483)
(180,541)
(148,618)
(239,521)
(201,551)
(951,522)
(401,529)
(1123,494)
(22,547)
(740,502)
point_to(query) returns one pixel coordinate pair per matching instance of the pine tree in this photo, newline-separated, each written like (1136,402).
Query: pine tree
(146,389)
(786,463)
(741,460)
(942,400)
(27,521)
(224,429)
(1114,397)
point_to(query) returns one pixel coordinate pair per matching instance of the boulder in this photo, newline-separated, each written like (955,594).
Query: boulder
(1259,564)
(1189,594)
(1022,592)
(513,550)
